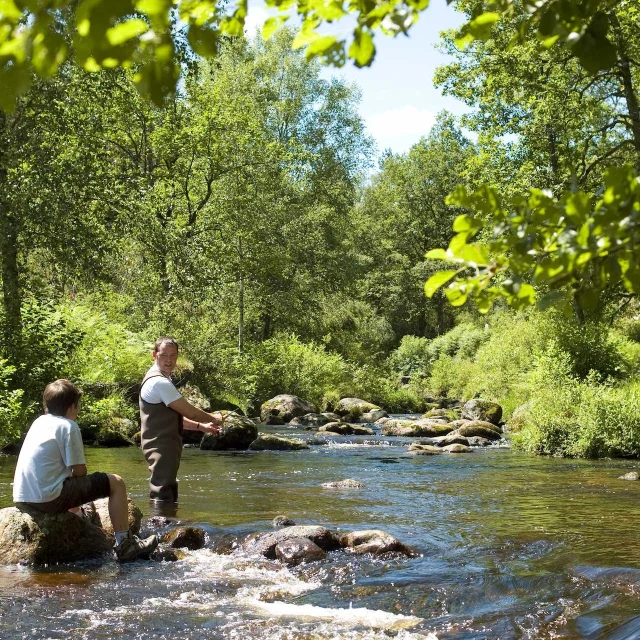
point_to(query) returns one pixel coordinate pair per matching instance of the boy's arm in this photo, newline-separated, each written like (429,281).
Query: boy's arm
(78,470)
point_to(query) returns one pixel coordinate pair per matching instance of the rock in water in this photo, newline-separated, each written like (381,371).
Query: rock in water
(424,449)
(352,408)
(311,420)
(28,536)
(294,551)
(374,541)
(344,484)
(284,407)
(238,432)
(98,514)
(191,538)
(265,442)
(265,543)
(282,521)
(632,475)
(477,409)
(346,429)
(457,448)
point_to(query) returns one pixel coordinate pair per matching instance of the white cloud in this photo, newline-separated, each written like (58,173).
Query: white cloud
(400,128)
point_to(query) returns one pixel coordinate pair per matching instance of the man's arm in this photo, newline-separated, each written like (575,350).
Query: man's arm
(78,470)
(195,415)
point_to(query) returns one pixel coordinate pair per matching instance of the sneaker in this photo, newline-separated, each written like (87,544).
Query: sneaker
(132,548)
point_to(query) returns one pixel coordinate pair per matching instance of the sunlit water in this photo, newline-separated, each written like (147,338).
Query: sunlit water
(510,546)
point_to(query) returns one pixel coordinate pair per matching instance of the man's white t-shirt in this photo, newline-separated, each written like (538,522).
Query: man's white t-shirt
(53,444)
(159,389)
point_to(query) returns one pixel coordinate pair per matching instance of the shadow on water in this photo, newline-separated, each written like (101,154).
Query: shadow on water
(509,546)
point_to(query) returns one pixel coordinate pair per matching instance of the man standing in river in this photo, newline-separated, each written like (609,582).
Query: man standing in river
(164,413)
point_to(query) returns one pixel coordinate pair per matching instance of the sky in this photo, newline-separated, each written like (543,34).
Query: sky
(399,102)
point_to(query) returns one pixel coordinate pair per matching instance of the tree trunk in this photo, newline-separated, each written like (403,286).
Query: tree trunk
(241,315)
(626,77)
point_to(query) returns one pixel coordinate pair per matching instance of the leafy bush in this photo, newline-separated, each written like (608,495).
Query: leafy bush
(283,364)
(109,352)
(12,413)
(566,416)
(96,414)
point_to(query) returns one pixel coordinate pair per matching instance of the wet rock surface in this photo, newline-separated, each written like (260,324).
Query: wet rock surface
(374,541)
(343,484)
(284,408)
(295,551)
(237,432)
(192,538)
(266,442)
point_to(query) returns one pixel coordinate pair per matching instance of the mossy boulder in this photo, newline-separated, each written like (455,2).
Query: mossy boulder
(447,414)
(484,410)
(112,436)
(479,428)
(372,416)
(311,420)
(194,396)
(416,428)
(237,432)
(283,408)
(424,449)
(267,442)
(351,409)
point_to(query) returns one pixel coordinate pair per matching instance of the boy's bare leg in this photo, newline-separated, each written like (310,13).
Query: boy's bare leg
(118,507)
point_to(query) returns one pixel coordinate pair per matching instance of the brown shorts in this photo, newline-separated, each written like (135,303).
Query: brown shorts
(75,492)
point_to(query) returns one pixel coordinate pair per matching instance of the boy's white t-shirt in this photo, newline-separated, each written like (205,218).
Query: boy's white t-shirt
(159,389)
(52,445)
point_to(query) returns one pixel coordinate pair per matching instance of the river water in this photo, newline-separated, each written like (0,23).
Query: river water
(510,546)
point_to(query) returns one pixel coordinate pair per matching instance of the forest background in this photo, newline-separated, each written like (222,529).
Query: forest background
(243,216)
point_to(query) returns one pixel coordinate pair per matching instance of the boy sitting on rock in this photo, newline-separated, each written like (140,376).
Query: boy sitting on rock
(51,474)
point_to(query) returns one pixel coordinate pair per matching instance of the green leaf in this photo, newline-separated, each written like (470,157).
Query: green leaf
(362,49)
(126,31)
(272,24)
(437,280)
(154,7)
(438,254)
(203,40)
(474,253)
(456,296)
(550,299)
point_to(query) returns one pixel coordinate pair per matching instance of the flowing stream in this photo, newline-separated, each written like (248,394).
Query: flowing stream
(510,546)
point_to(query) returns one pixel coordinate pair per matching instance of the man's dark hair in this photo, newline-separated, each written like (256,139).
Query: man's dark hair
(59,396)
(165,340)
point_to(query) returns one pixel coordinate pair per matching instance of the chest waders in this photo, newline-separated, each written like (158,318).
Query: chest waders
(161,442)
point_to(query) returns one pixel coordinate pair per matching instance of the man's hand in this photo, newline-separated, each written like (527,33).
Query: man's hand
(218,419)
(210,427)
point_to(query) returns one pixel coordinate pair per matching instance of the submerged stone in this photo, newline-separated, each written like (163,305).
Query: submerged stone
(265,543)
(265,442)
(632,475)
(343,484)
(424,449)
(282,521)
(457,448)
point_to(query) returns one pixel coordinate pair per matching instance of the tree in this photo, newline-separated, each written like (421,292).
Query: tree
(402,216)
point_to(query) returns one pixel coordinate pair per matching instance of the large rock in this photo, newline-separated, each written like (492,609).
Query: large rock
(111,435)
(415,428)
(479,428)
(265,442)
(311,420)
(346,429)
(351,409)
(284,408)
(194,396)
(98,514)
(374,541)
(443,441)
(265,544)
(457,448)
(294,551)
(373,416)
(447,414)
(485,410)
(237,432)
(28,536)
